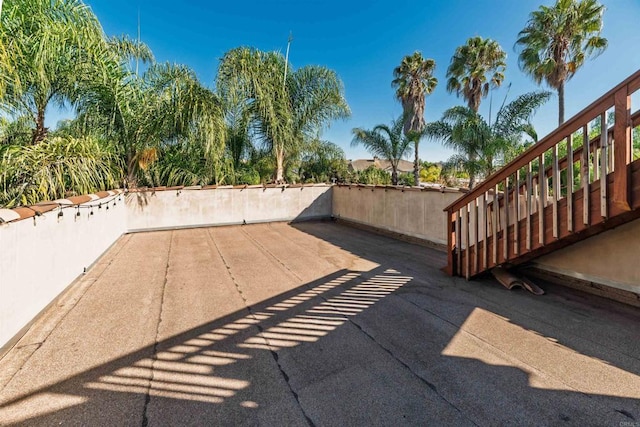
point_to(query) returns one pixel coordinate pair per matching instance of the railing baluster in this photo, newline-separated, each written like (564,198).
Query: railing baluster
(450,242)
(467,249)
(505,231)
(570,183)
(485,230)
(556,190)
(603,165)
(622,152)
(542,200)
(584,174)
(474,207)
(494,225)
(458,242)
(528,206)
(516,227)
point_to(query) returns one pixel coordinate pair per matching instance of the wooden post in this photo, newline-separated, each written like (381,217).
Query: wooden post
(584,175)
(604,162)
(467,246)
(528,206)
(458,243)
(476,238)
(516,226)
(622,149)
(570,184)
(485,232)
(556,191)
(494,225)
(505,231)
(450,244)
(542,200)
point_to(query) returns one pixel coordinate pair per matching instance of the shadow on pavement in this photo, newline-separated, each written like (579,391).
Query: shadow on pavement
(401,344)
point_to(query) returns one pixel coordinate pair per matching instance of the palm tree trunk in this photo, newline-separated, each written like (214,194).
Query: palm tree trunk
(561,103)
(394,175)
(416,166)
(40,132)
(472,180)
(279,166)
(131,181)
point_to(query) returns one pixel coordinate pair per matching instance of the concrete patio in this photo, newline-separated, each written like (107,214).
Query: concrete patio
(314,324)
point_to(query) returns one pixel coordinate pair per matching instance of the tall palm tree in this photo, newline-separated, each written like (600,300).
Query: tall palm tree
(475,67)
(287,110)
(478,143)
(413,80)
(557,40)
(387,142)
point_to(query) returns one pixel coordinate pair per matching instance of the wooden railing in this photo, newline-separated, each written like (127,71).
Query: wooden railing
(544,195)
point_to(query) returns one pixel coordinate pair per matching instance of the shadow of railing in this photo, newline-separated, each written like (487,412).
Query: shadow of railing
(197,366)
(295,355)
(588,324)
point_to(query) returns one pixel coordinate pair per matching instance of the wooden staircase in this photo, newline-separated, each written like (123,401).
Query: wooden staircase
(567,187)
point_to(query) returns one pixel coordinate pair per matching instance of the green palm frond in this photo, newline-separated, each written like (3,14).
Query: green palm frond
(474,68)
(60,168)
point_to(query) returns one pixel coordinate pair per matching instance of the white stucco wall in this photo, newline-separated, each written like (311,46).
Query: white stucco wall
(40,258)
(414,213)
(611,258)
(222,206)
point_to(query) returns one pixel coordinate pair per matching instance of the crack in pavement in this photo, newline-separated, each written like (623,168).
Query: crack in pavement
(274,354)
(154,357)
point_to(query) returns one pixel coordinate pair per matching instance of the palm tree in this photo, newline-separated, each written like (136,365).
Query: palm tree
(387,142)
(54,47)
(62,166)
(164,106)
(285,111)
(475,67)
(413,79)
(478,143)
(557,40)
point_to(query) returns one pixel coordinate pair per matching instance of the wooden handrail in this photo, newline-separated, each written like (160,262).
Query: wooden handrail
(631,84)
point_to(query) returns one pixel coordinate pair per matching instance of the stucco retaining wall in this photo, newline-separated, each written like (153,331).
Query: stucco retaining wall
(611,258)
(410,211)
(41,255)
(153,210)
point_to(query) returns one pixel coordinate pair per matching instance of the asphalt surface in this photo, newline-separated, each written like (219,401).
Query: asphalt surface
(315,324)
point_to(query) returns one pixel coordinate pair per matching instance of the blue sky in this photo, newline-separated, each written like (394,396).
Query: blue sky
(364,40)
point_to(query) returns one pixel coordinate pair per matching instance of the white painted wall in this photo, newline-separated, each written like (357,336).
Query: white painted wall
(221,206)
(40,258)
(414,213)
(610,258)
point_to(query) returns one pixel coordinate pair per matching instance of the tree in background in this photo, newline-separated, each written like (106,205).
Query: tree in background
(286,110)
(143,114)
(413,80)
(475,67)
(431,173)
(387,142)
(55,50)
(557,40)
(480,144)
(322,161)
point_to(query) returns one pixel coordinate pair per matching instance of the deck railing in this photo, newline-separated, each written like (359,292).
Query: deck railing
(564,184)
